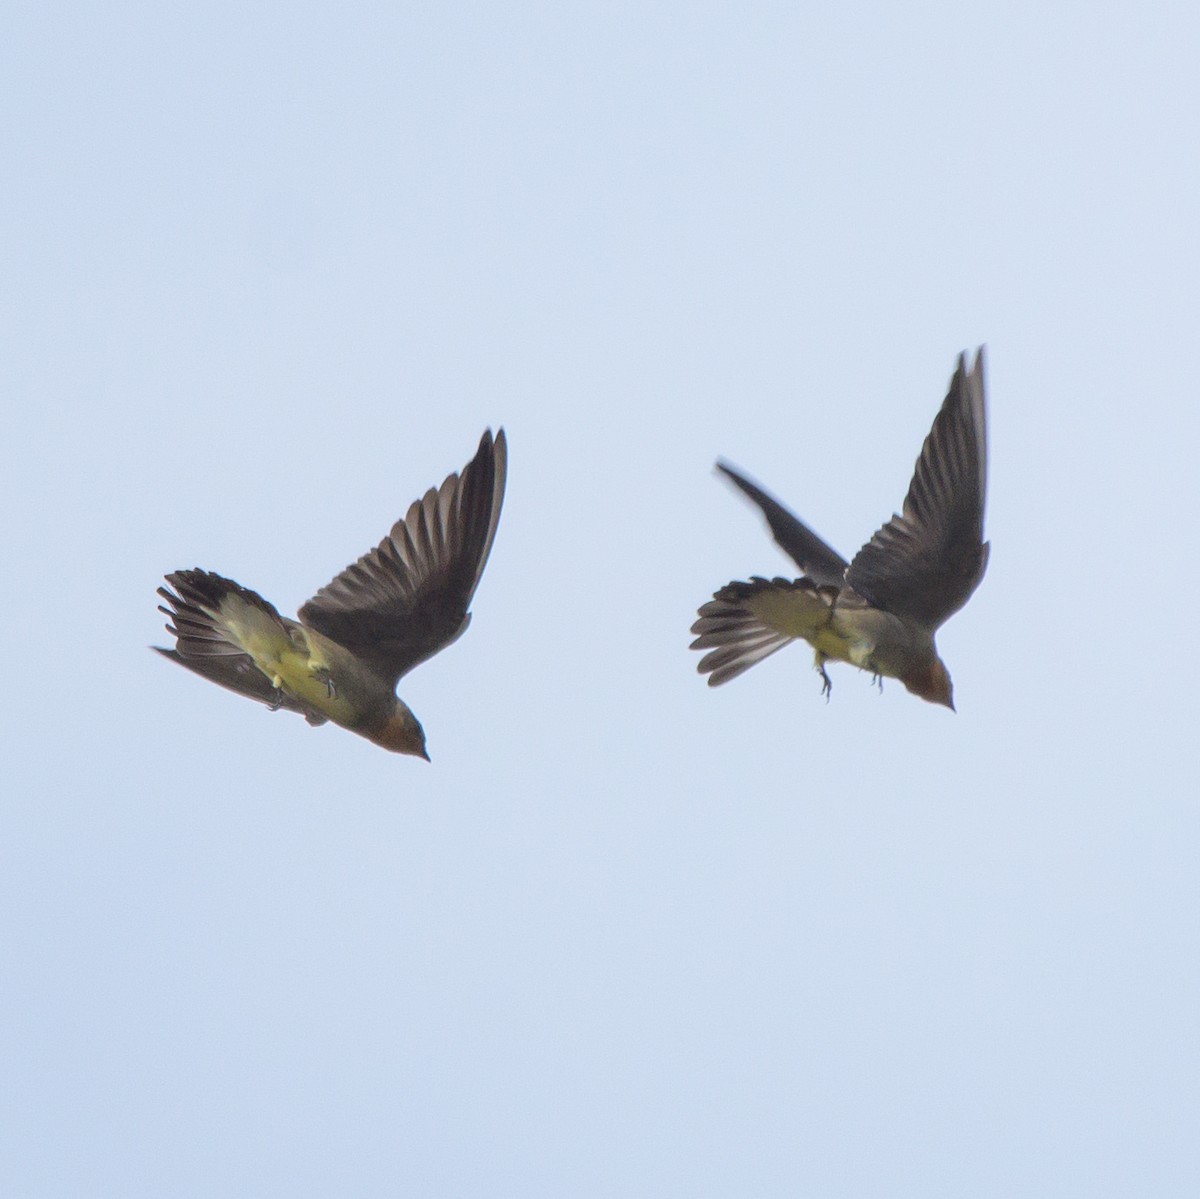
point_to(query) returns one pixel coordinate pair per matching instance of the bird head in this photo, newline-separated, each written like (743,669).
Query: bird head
(931,681)
(402,733)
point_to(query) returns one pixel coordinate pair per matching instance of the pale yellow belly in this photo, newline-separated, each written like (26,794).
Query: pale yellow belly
(842,647)
(293,661)
(808,614)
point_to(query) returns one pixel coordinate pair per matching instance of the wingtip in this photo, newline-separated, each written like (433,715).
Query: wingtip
(498,441)
(969,367)
(500,455)
(742,481)
(495,447)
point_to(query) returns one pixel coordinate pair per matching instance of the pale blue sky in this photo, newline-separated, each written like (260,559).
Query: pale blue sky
(267,273)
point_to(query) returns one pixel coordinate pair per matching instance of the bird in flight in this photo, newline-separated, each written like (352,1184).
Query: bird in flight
(880,611)
(388,612)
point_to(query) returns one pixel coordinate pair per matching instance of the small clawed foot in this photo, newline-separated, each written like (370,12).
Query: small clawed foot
(826,682)
(276,700)
(877,679)
(323,676)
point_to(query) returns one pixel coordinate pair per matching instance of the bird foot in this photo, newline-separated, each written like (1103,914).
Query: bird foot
(826,682)
(877,679)
(322,675)
(276,700)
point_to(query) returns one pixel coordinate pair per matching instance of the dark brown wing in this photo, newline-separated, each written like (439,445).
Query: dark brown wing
(408,597)
(821,562)
(925,563)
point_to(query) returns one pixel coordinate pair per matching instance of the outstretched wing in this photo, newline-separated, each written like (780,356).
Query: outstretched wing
(925,563)
(821,562)
(408,597)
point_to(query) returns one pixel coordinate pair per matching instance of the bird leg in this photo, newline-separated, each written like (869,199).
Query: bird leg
(826,682)
(276,700)
(877,679)
(322,675)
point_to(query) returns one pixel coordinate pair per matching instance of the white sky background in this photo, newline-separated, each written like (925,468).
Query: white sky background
(268,273)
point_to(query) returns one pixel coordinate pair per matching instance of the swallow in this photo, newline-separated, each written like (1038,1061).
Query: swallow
(360,634)
(879,612)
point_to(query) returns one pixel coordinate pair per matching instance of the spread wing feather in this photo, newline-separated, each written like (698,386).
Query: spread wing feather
(925,563)
(409,597)
(818,560)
